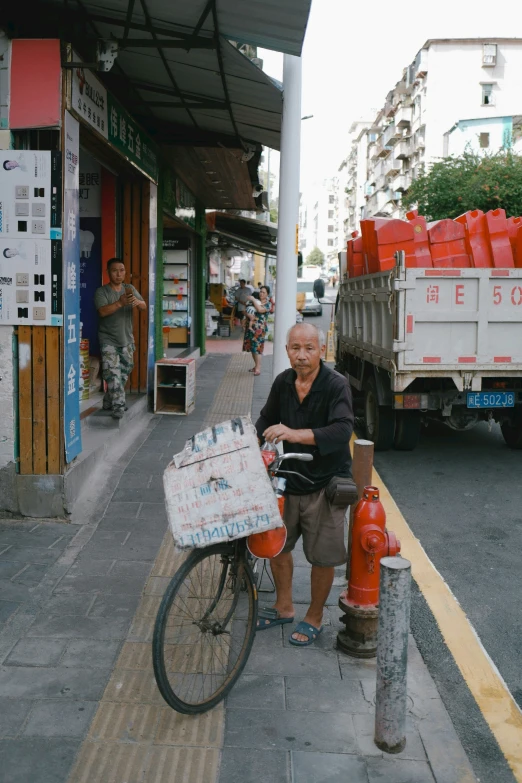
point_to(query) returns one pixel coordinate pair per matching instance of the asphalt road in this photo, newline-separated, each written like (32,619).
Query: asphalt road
(323,321)
(461,494)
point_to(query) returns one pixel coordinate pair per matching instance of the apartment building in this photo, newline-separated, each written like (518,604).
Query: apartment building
(456,94)
(352,179)
(319,219)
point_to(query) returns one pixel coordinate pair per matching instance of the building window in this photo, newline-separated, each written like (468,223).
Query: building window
(330,213)
(484,140)
(489,54)
(331,199)
(487,95)
(330,229)
(330,243)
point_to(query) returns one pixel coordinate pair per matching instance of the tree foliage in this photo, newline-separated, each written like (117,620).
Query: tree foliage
(472,181)
(315,257)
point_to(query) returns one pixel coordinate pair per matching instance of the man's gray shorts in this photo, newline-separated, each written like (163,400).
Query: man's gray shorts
(320,524)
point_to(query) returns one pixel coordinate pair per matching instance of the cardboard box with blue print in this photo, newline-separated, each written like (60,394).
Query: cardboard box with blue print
(217,489)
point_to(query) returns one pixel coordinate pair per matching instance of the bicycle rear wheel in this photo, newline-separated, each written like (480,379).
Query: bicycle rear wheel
(204,629)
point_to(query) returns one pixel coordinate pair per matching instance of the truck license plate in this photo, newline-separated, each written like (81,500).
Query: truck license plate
(491,400)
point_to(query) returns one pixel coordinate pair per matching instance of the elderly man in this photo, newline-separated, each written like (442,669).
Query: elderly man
(309,409)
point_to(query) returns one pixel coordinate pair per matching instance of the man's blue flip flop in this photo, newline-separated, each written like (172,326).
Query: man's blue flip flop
(271,617)
(310,631)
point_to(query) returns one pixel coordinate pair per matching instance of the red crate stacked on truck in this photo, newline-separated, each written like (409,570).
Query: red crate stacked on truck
(473,240)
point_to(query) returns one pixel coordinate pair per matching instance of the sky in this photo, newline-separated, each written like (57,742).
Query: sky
(354,53)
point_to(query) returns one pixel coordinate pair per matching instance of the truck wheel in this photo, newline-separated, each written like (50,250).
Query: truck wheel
(512,430)
(380,419)
(407,430)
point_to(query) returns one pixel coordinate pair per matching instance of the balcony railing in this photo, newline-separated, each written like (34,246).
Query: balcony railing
(390,135)
(392,166)
(382,150)
(401,182)
(403,117)
(403,150)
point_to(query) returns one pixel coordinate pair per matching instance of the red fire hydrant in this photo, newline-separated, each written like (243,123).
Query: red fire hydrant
(360,602)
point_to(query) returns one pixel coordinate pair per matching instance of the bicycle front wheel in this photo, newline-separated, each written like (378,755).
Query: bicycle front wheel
(204,629)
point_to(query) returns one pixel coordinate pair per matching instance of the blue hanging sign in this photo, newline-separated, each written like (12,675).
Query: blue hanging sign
(71,288)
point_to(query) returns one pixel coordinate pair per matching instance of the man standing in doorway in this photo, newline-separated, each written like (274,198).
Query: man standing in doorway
(115,303)
(309,409)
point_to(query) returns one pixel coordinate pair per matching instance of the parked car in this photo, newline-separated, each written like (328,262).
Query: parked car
(312,305)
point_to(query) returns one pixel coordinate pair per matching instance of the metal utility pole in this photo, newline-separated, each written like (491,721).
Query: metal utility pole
(287,240)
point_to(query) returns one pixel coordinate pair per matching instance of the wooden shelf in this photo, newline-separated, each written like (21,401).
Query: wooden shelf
(170,399)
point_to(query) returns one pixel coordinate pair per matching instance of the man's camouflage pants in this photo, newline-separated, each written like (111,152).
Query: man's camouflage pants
(117,364)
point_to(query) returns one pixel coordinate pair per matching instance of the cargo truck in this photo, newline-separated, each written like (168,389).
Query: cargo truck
(443,344)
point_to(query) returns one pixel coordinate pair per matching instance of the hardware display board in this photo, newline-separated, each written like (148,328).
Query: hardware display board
(30,234)
(30,194)
(31,282)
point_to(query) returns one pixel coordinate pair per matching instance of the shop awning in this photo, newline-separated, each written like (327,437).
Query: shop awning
(176,70)
(242,232)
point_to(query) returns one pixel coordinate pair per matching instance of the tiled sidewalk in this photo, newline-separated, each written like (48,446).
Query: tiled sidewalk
(79,701)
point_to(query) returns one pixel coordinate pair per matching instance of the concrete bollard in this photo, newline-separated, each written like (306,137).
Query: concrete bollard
(362,467)
(392,654)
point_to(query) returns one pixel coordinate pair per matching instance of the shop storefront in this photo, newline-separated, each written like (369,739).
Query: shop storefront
(111,171)
(90,197)
(182,267)
(133,172)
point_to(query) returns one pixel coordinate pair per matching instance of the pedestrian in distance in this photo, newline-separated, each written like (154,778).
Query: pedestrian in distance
(242,294)
(115,303)
(309,409)
(256,330)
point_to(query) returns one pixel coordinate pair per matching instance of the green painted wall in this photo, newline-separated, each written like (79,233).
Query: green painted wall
(159,275)
(201,266)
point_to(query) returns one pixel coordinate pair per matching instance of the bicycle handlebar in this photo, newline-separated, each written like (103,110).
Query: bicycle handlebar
(291,455)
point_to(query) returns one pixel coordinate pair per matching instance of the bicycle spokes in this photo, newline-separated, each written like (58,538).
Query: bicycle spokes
(206,628)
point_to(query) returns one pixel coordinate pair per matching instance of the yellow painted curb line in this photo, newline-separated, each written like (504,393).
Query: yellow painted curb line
(482,677)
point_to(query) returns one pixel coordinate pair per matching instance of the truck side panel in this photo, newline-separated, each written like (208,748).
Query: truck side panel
(473,317)
(434,322)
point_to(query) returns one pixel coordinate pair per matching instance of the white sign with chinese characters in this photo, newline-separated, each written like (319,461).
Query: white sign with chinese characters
(90,187)
(30,197)
(89,99)
(30,282)
(217,488)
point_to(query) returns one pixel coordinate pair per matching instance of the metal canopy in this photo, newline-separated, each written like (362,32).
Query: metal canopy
(244,233)
(176,70)
(272,24)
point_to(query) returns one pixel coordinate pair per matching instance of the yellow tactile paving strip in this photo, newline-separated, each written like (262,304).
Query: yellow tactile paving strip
(135,737)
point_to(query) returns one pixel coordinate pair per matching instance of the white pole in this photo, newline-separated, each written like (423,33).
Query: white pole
(268,186)
(286,265)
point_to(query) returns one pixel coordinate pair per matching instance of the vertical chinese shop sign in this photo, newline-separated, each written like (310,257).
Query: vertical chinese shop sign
(71,287)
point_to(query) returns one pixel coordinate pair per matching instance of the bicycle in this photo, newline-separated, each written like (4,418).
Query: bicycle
(207,619)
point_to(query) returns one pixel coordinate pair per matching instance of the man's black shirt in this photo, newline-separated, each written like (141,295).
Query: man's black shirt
(327,411)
